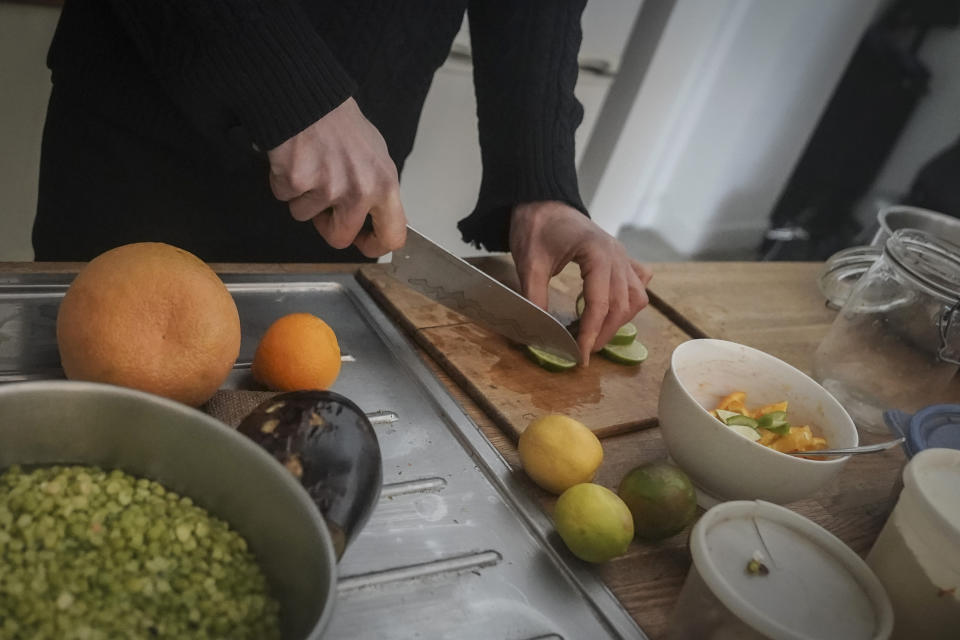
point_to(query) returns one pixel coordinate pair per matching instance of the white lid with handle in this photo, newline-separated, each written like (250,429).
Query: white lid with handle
(811,584)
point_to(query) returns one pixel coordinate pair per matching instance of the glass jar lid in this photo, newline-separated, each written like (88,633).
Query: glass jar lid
(842,270)
(931,263)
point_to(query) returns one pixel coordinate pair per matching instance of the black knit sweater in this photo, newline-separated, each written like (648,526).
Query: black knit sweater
(226,79)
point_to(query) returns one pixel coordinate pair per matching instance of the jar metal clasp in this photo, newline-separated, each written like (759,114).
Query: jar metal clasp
(949,320)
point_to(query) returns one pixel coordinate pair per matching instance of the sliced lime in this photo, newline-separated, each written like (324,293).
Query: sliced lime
(741,420)
(772,419)
(633,353)
(775,421)
(625,334)
(724,415)
(781,429)
(747,432)
(581,304)
(549,361)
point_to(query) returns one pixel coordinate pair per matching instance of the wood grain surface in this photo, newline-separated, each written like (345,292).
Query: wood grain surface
(776,307)
(772,306)
(607,397)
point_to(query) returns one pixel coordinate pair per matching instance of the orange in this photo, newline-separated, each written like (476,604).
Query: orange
(152,317)
(299,351)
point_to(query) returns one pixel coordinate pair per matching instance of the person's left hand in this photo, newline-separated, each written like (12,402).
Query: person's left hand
(546,236)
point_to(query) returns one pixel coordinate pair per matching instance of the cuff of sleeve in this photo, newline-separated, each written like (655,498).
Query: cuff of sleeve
(276,74)
(505,184)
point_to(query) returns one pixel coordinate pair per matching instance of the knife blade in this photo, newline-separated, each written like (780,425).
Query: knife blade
(441,276)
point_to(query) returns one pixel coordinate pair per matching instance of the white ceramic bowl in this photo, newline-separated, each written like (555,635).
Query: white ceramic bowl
(725,465)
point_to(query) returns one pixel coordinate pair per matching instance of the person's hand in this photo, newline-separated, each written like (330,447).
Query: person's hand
(336,171)
(546,236)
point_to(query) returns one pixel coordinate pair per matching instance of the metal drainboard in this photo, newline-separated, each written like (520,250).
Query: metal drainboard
(455,547)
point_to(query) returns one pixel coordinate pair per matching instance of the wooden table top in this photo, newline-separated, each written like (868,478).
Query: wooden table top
(788,319)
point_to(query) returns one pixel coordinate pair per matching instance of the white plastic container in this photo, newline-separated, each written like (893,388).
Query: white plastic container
(917,555)
(811,585)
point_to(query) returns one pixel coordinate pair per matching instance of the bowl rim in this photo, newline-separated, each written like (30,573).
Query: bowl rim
(848,421)
(228,432)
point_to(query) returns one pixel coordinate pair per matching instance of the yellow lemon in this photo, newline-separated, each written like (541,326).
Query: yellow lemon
(558,452)
(593,522)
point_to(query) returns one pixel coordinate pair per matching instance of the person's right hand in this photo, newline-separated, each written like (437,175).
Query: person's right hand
(334,173)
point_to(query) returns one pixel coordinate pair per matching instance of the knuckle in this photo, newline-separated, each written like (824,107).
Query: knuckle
(396,242)
(324,192)
(362,185)
(339,240)
(300,212)
(642,299)
(335,237)
(600,308)
(618,308)
(371,250)
(385,182)
(300,181)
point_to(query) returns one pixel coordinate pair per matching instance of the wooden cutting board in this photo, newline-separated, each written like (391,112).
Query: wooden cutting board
(609,398)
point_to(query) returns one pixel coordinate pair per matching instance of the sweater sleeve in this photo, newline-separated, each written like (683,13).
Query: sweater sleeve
(261,61)
(525,70)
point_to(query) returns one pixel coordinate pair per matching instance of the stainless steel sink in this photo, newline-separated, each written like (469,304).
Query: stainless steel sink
(455,547)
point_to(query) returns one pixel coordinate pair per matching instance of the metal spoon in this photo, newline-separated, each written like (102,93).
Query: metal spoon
(867,448)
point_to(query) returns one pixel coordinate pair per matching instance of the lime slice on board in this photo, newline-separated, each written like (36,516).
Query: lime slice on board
(633,353)
(625,334)
(549,361)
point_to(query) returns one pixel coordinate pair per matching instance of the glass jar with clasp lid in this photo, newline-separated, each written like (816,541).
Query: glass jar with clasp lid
(896,342)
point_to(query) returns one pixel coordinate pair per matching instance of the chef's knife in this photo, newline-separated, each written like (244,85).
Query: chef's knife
(442,276)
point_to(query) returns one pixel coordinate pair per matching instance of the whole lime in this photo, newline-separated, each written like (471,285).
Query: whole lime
(661,499)
(593,522)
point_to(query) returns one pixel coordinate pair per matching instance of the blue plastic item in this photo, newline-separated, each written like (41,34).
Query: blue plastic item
(936,426)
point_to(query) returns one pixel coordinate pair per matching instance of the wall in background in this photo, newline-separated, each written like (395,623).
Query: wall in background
(25,33)
(731,97)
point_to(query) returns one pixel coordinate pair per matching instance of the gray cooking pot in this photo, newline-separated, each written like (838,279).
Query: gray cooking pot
(195,455)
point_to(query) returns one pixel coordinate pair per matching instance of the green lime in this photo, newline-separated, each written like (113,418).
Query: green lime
(633,353)
(593,522)
(581,304)
(549,361)
(624,335)
(781,429)
(742,420)
(775,421)
(661,498)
